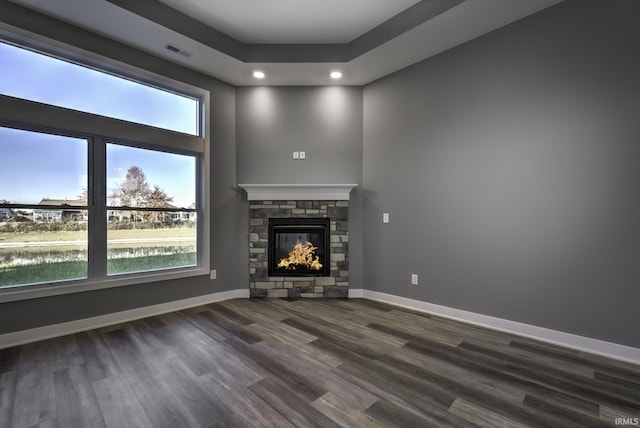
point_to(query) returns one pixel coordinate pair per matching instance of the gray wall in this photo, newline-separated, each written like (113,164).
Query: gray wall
(510,167)
(226,251)
(324,122)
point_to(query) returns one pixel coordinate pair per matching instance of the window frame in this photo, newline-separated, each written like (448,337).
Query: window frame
(100,130)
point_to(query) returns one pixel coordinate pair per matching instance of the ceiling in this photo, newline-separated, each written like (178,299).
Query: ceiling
(292,21)
(295,42)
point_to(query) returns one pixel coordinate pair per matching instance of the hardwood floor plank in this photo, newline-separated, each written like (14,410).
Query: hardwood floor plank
(596,362)
(98,359)
(436,413)
(580,388)
(295,409)
(482,417)
(119,404)
(260,309)
(388,414)
(341,413)
(128,357)
(322,328)
(409,389)
(76,402)
(414,332)
(565,413)
(319,375)
(8,382)
(473,379)
(295,381)
(620,380)
(282,333)
(34,400)
(245,409)
(231,327)
(497,404)
(162,407)
(230,313)
(551,375)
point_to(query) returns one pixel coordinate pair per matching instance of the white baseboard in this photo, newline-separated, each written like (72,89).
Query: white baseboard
(568,340)
(586,344)
(356,294)
(8,340)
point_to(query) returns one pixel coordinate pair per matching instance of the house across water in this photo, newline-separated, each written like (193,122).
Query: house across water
(57,210)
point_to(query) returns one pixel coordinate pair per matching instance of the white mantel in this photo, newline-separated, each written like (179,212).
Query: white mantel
(299,192)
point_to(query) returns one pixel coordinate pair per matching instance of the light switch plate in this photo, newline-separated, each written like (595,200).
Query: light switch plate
(303,155)
(296,155)
(385,217)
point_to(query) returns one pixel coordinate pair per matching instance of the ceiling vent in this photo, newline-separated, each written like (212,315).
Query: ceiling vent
(179,51)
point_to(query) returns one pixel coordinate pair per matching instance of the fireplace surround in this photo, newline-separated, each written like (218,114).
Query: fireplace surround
(306,204)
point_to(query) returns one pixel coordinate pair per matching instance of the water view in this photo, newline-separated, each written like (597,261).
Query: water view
(40,257)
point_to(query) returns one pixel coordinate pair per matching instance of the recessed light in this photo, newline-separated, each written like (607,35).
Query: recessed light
(335,75)
(258,74)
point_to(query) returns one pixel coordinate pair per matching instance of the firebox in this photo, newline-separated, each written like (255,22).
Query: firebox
(299,247)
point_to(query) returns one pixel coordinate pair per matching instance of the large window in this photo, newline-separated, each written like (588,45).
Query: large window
(105,207)
(37,77)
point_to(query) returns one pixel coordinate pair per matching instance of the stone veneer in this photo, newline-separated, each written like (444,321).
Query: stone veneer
(336,285)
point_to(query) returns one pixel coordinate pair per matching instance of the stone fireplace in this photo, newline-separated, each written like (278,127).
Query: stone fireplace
(298,240)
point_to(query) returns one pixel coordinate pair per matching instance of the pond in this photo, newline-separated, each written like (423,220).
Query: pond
(33,256)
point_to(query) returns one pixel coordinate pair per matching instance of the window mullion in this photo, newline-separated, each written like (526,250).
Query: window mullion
(97,210)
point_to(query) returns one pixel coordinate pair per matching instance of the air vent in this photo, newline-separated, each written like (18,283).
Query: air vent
(179,51)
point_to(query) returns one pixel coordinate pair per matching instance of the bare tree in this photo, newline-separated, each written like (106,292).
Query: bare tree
(135,192)
(134,189)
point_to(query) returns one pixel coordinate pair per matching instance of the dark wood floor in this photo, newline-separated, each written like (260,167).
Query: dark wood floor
(324,363)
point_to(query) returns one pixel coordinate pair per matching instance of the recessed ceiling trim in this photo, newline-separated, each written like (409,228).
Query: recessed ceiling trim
(171,18)
(410,18)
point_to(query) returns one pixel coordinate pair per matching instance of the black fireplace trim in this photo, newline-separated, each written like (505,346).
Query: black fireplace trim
(293,224)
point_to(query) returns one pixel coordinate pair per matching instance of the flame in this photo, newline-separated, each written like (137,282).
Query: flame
(301,255)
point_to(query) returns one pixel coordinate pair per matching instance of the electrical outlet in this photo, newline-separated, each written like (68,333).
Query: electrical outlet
(296,155)
(414,279)
(214,274)
(303,155)
(385,217)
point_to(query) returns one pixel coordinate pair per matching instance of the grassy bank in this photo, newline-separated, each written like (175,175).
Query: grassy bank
(50,272)
(45,272)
